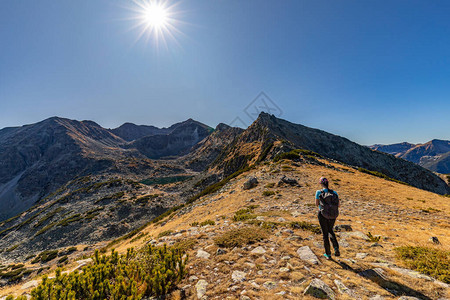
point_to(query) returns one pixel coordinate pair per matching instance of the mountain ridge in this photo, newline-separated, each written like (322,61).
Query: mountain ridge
(433,155)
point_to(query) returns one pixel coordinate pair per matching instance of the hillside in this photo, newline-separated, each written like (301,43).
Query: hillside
(282,218)
(433,155)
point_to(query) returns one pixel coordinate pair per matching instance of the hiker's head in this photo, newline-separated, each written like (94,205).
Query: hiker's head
(324,182)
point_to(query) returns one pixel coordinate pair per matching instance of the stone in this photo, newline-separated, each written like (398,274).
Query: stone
(270,285)
(220,251)
(434,240)
(411,273)
(343,227)
(377,275)
(287,180)
(238,276)
(355,234)
(408,298)
(345,290)
(376,245)
(305,253)
(376,297)
(201,288)
(295,214)
(361,255)
(203,254)
(258,250)
(319,289)
(250,183)
(243,297)
(260,218)
(284,270)
(280,219)
(84,261)
(193,278)
(30,284)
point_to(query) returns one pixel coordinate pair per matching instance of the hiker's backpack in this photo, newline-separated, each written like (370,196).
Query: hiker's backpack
(329,204)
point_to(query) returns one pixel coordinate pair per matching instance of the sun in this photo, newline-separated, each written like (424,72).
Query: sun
(155,15)
(156,20)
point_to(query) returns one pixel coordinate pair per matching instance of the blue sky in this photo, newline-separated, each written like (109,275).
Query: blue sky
(372,71)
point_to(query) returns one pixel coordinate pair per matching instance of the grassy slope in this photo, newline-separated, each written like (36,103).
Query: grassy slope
(369,203)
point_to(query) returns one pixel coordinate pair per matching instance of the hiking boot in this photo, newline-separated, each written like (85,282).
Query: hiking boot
(337,252)
(327,256)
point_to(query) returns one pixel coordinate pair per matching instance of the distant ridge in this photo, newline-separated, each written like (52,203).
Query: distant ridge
(433,155)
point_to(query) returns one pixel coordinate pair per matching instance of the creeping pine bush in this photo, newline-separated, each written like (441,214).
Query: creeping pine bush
(145,273)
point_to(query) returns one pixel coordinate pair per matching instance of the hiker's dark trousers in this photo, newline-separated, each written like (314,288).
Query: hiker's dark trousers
(327,230)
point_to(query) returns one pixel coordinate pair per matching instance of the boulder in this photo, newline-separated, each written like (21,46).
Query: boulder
(305,253)
(201,288)
(270,285)
(289,181)
(238,276)
(250,183)
(345,290)
(319,289)
(258,250)
(203,254)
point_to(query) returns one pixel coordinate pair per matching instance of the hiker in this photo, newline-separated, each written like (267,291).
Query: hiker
(328,202)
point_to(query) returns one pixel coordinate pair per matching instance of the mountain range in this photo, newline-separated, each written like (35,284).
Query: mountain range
(433,155)
(238,202)
(59,174)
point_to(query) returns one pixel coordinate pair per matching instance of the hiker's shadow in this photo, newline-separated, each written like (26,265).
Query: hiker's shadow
(375,275)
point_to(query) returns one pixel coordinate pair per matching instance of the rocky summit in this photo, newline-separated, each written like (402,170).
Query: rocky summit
(222,213)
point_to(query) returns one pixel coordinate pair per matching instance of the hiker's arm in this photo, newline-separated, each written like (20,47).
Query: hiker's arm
(317,202)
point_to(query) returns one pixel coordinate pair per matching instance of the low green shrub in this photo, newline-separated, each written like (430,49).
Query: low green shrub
(45,256)
(207,222)
(291,155)
(306,226)
(241,236)
(165,233)
(185,244)
(268,193)
(429,261)
(372,238)
(243,214)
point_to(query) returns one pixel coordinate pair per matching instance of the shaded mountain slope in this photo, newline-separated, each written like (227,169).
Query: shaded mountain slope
(130,132)
(181,138)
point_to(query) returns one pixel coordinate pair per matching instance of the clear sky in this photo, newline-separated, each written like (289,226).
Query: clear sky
(372,71)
